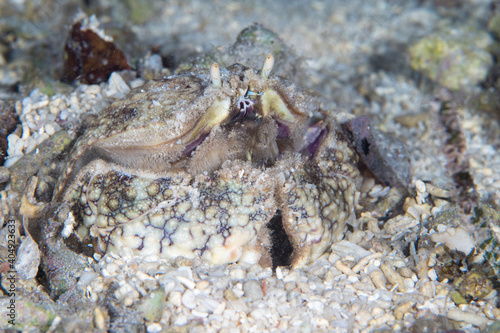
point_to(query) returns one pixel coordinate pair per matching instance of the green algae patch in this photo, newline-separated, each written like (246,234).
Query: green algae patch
(457,59)
(153,305)
(27,315)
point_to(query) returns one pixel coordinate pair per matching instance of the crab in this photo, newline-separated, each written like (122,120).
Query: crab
(197,164)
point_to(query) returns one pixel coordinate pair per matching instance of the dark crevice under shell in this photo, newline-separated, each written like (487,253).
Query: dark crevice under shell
(281,246)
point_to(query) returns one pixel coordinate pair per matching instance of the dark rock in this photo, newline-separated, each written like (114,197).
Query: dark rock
(90,58)
(383,155)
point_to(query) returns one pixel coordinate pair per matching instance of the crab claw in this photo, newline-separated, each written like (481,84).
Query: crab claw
(314,136)
(215,75)
(212,117)
(267,67)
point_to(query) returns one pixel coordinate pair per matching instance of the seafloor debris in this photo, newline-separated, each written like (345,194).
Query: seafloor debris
(196,165)
(455,149)
(61,266)
(28,256)
(8,123)
(455,245)
(90,56)
(487,236)
(475,285)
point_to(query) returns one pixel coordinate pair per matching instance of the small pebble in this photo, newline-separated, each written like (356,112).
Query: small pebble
(393,277)
(175,298)
(99,319)
(203,284)
(420,186)
(199,314)
(40,104)
(186,282)
(471,318)
(154,328)
(290,286)
(387,318)
(4,174)
(63,115)
(26,133)
(49,129)
(237,273)
(180,320)
(230,295)
(402,309)
(189,299)
(253,290)
(431,273)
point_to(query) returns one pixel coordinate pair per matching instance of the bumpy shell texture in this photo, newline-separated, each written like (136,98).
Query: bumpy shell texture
(197,164)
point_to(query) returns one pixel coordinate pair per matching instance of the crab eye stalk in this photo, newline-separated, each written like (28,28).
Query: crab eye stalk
(215,75)
(267,67)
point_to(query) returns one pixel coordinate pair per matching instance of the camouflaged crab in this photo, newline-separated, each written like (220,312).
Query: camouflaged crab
(197,165)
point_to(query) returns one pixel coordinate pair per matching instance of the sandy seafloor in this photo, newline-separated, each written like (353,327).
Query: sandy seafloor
(355,55)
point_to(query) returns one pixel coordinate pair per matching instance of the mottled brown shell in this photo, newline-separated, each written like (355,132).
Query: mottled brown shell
(189,166)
